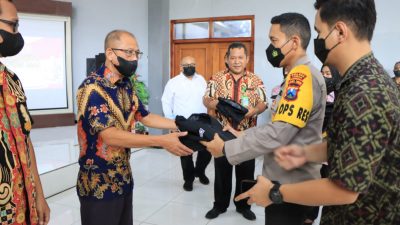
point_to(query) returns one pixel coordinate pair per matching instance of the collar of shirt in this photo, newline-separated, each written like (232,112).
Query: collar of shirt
(355,68)
(304,60)
(104,70)
(195,76)
(246,73)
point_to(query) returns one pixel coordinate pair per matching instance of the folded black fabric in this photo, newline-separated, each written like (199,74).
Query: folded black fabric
(200,127)
(231,110)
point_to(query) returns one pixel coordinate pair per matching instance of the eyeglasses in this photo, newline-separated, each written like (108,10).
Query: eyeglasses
(130,52)
(13,24)
(189,65)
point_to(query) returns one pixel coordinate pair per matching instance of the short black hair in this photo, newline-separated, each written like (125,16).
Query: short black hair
(360,15)
(0,6)
(236,45)
(294,24)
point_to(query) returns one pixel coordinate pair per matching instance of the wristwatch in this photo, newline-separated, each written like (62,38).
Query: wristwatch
(274,194)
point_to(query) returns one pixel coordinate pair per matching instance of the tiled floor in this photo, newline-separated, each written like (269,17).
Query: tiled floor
(158,197)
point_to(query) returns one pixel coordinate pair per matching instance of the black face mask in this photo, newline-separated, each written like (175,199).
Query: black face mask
(320,48)
(274,55)
(12,43)
(189,71)
(125,67)
(397,73)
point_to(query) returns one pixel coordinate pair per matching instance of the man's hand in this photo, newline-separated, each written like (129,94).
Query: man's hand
(176,130)
(215,146)
(290,157)
(233,131)
(258,193)
(171,143)
(252,112)
(210,103)
(42,210)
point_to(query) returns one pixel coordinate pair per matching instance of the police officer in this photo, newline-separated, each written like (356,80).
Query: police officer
(297,118)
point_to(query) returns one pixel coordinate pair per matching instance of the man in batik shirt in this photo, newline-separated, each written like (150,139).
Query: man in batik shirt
(396,72)
(107,110)
(247,89)
(363,143)
(21,200)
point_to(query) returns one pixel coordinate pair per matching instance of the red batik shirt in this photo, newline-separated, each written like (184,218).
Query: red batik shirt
(249,87)
(17,185)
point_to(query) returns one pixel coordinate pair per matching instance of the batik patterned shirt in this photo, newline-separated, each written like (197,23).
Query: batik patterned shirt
(17,185)
(248,90)
(396,82)
(105,172)
(364,146)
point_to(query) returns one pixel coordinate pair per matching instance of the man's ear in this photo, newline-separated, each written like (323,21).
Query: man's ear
(109,54)
(296,42)
(343,31)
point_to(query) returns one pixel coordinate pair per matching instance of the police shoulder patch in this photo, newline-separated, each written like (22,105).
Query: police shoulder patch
(296,103)
(295,81)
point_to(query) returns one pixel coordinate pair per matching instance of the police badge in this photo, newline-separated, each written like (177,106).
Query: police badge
(294,84)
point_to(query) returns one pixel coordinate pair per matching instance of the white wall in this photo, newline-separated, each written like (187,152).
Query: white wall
(159,54)
(385,42)
(93,19)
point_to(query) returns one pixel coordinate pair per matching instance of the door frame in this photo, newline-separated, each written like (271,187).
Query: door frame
(210,38)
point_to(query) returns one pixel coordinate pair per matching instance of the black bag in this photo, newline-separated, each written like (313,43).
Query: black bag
(200,127)
(232,110)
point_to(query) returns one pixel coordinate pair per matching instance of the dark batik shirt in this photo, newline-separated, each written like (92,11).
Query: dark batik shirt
(364,146)
(398,83)
(105,172)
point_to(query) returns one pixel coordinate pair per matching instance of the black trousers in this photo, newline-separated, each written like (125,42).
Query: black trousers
(286,214)
(113,212)
(223,182)
(188,168)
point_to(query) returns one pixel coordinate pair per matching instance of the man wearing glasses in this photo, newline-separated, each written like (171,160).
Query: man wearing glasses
(183,95)
(21,200)
(107,110)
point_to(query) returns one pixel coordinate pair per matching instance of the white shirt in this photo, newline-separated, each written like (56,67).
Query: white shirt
(183,96)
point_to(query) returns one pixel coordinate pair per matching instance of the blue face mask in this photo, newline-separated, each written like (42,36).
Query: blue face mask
(397,73)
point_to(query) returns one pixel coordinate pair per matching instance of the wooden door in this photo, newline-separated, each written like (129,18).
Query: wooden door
(209,57)
(202,54)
